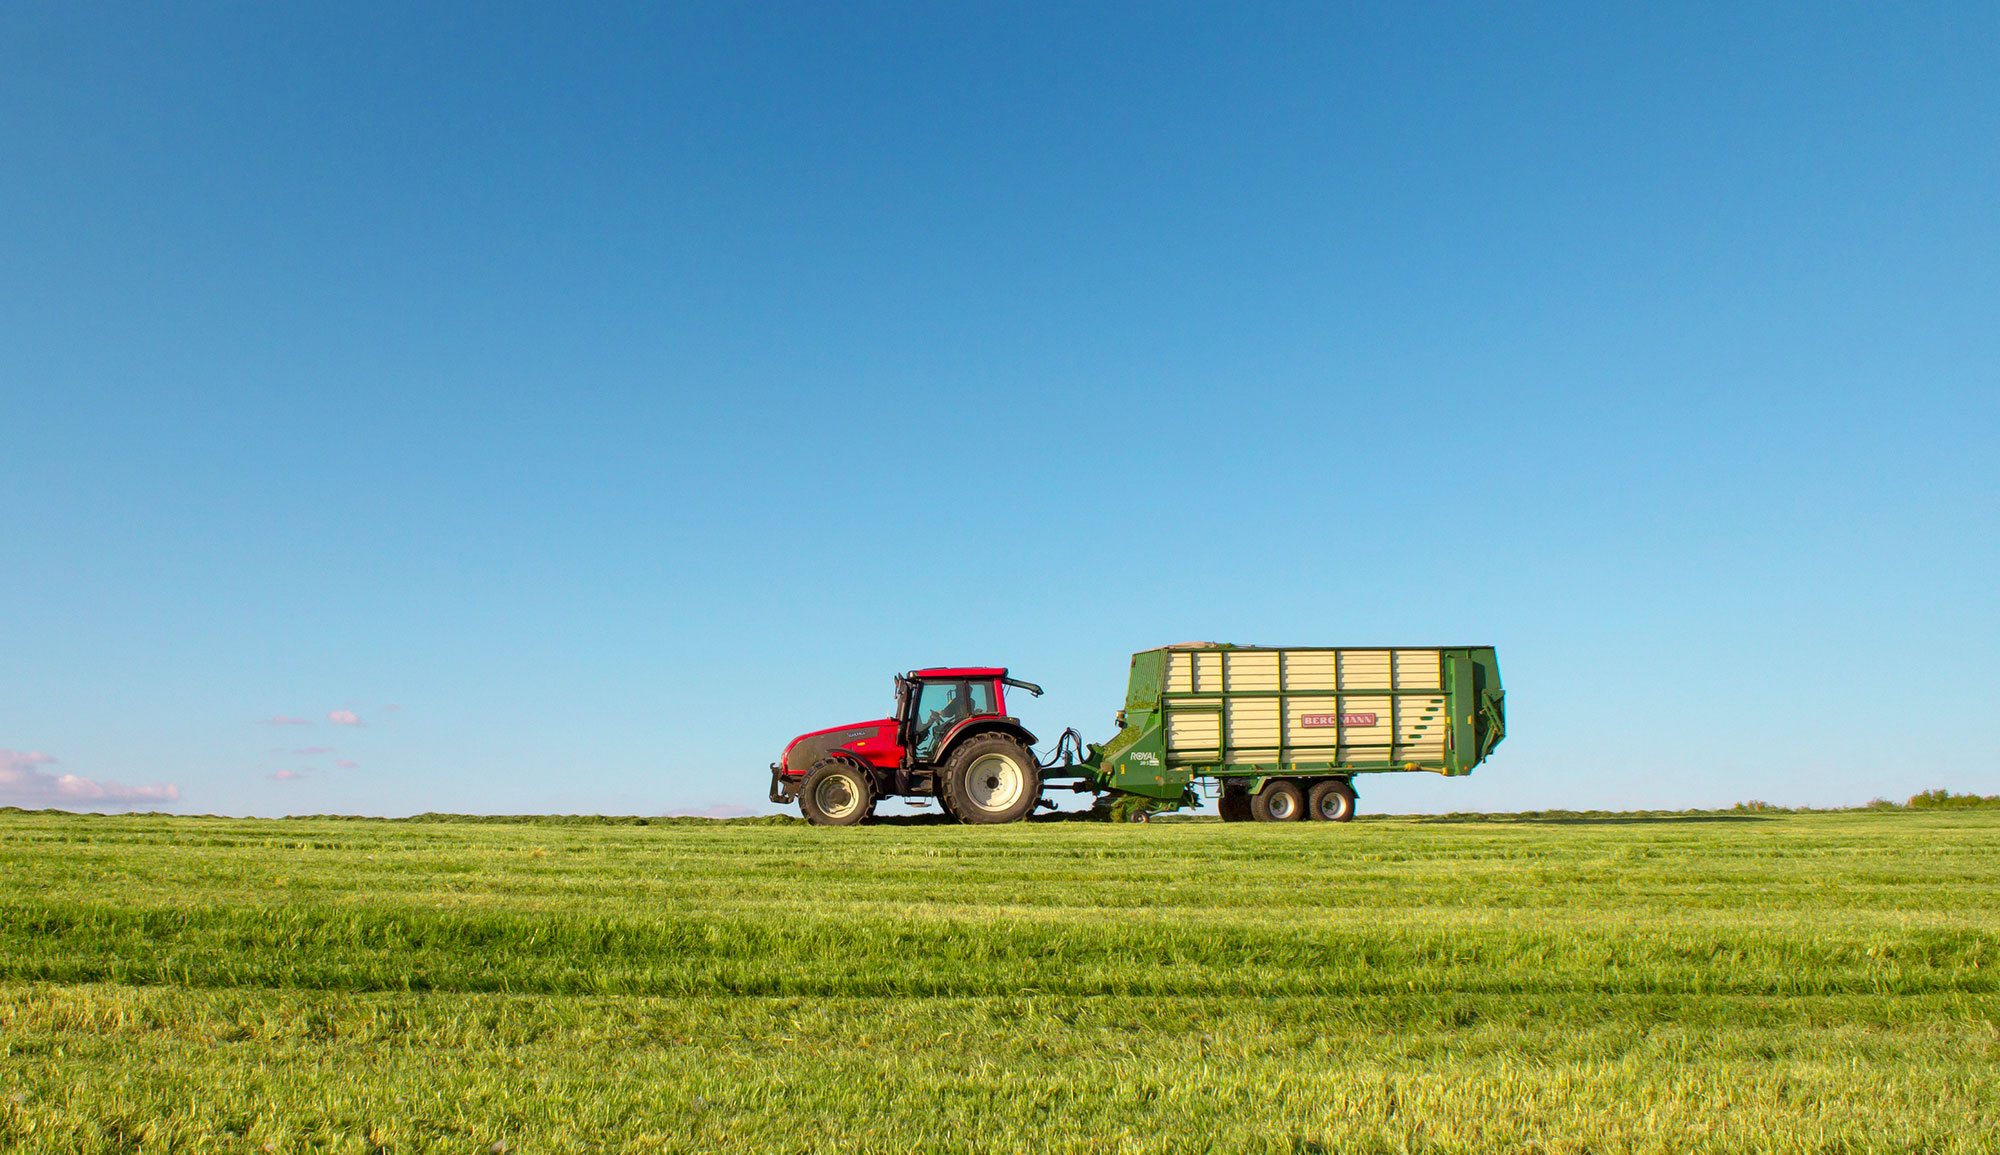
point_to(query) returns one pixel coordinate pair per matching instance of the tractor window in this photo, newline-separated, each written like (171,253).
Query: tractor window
(943,705)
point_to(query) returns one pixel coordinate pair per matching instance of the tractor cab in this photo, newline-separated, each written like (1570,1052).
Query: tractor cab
(947,719)
(931,704)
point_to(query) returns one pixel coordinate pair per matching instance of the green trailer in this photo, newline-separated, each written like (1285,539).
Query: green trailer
(1279,733)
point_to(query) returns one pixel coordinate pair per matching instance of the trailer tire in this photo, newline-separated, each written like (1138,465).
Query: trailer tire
(1234,805)
(837,792)
(1331,800)
(991,778)
(1280,800)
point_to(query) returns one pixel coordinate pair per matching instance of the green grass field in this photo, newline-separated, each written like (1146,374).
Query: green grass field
(1764,981)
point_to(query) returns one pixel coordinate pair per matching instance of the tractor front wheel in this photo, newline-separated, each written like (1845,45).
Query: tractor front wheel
(991,778)
(1279,801)
(837,793)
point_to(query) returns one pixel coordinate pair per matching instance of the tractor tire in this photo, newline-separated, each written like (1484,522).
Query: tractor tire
(837,792)
(1234,805)
(1331,800)
(1280,800)
(991,778)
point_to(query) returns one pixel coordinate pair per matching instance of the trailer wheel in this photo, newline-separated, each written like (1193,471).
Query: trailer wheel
(1234,805)
(991,778)
(1279,801)
(1332,800)
(837,793)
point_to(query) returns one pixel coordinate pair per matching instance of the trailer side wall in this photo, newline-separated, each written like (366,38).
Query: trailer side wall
(1261,711)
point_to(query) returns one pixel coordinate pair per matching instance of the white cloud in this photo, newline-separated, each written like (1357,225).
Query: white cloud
(22,784)
(286,775)
(286,720)
(343,717)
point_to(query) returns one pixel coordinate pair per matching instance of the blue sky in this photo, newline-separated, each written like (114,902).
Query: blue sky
(557,413)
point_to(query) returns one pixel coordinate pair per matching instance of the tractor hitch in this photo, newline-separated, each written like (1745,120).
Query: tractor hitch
(1068,752)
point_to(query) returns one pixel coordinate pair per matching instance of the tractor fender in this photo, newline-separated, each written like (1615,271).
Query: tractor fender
(989,724)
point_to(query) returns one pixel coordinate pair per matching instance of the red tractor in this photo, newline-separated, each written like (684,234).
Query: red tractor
(951,738)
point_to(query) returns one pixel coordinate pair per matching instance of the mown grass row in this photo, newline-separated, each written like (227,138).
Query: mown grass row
(110,1068)
(360,950)
(1872,861)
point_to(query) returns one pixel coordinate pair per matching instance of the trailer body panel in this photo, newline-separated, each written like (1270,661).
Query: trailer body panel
(1237,712)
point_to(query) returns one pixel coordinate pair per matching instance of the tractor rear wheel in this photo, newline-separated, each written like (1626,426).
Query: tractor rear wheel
(1332,800)
(991,778)
(1279,801)
(1234,805)
(837,792)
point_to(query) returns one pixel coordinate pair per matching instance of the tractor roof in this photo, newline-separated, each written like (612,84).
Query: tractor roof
(961,672)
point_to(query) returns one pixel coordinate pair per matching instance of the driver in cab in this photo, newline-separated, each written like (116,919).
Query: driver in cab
(941,720)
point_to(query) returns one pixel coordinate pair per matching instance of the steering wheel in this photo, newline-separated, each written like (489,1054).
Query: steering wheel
(935,728)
